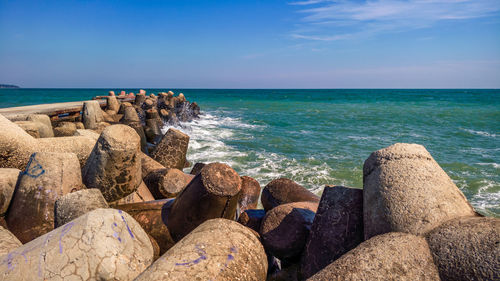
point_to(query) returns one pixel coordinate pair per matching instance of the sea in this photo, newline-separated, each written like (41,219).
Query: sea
(323,137)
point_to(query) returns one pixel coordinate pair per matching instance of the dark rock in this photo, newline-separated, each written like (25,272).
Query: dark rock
(252,218)
(172,149)
(282,191)
(197,168)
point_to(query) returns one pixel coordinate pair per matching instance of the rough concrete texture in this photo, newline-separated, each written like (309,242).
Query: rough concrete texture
(47,177)
(114,165)
(282,191)
(172,149)
(167,183)
(76,204)
(150,216)
(391,256)
(197,168)
(213,193)
(104,244)
(123,105)
(8,180)
(142,194)
(252,218)
(30,127)
(87,133)
(8,241)
(289,273)
(405,190)
(467,248)
(129,115)
(112,103)
(218,249)
(337,228)
(80,145)
(45,130)
(250,192)
(285,228)
(92,114)
(139,99)
(16,145)
(65,129)
(149,165)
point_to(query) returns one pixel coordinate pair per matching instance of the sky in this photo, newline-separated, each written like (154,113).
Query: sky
(250,44)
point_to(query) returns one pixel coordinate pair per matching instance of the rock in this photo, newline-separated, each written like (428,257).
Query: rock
(139,99)
(172,149)
(250,192)
(140,131)
(16,145)
(153,114)
(290,273)
(124,105)
(167,183)
(30,127)
(112,103)
(65,129)
(111,93)
(142,194)
(149,165)
(142,92)
(87,133)
(252,218)
(285,228)
(114,166)
(405,190)
(8,180)
(45,128)
(92,114)
(148,103)
(467,248)
(79,126)
(47,177)
(104,244)
(152,131)
(108,116)
(76,204)
(213,193)
(282,191)
(337,228)
(391,256)
(164,113)
(80,145)
(197,168)
(123,93)
(8,242)
(129,115)
(208,254)
(149,216)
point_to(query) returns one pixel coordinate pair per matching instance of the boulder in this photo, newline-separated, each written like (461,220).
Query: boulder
(252,218)
(282,191)
(76,204)
(285,228)
(391,256)
(250,192)
(79,126)
(218,249)
(47,177)
(167,183)
(87,133)
(65,129)
(45,129)
(139,99)
(124,105)
(337,228)
(467,248)
(104,244)
(197,168)
(129,115)
(405,190)
(92,114)
(112,103)
(152,131)
(149,165)
(16,145)
(8,241)
(150,216)
(142,194)
(213,193)
(8,180)
(114,166)
(30,127)
(172,149)
(79,145)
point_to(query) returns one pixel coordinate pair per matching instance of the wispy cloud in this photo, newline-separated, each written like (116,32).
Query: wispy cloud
(326,20)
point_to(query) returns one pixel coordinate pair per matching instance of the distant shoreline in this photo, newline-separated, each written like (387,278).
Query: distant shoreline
(7,86)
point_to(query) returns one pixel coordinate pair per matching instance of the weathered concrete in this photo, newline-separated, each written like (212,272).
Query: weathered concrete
(218,249)
(46,129)
(8,241)
(104,244)
(114,165)
(405,190)
(282,191)
(467,248)
(65,129)
(16,145)
(252,218)
(285,228)
(250,192)
(8,180)
(79,145)
(150,216)
(76,204)
(197,168)
(112,103)
(167,183)
(149,165)
(337,228)
(172,149)
(213,193)
(142,194)
(87,133)
(30,127)
(92,114)
(391,256)
(47,177)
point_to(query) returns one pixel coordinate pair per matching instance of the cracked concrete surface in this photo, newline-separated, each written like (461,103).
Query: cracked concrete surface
(172,149)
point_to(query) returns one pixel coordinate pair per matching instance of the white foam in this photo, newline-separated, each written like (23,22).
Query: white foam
(486,197)
(480,133)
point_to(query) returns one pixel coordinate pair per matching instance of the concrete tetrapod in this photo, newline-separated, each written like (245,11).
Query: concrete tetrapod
(282,191)
(114,166)
(92,114)
(8,241)
(167,183)
(213,193)
(8,180)
(405,190)
(47,177)
(218,249)
(172,149)
(78,203)
(104,244)
(391,256)
(142,194)
(250,192)
(45,130)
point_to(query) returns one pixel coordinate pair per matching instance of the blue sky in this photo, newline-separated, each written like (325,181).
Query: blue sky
(251,44)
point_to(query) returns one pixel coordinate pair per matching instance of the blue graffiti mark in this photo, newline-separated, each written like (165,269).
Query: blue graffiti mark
(34,169)
(116,234)
(128,228)
(230,257)
(64,231)
(202,256)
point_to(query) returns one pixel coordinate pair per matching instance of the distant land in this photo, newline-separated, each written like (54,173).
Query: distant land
(6,86)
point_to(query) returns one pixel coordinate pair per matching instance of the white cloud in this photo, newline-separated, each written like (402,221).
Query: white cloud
(331,20)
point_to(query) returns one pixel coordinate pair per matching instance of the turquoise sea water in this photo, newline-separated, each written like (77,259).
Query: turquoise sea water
(319,137)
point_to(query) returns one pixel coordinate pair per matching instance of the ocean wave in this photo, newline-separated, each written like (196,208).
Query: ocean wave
(480,133)
(487,196)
